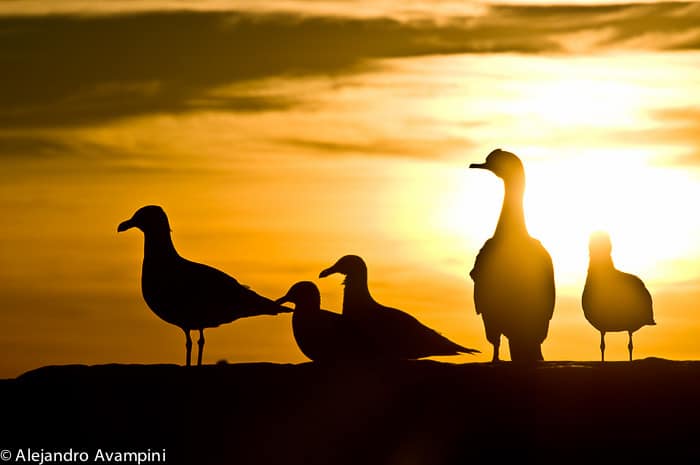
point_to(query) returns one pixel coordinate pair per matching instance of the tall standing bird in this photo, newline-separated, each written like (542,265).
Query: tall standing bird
(186,294)
(513,273)
(322,335)
(397,335)
(613,300)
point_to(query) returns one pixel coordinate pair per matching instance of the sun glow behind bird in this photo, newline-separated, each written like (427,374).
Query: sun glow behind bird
(582,173)
(567,199)
(637,203)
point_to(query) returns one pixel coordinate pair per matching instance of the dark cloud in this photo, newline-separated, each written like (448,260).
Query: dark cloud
(80,153)
(30,146)
(79,70)
(41,146)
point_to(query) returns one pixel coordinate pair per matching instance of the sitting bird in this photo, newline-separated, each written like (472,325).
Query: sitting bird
(322,335)
(186,294)
(613,300)
(397,335)
(513,273)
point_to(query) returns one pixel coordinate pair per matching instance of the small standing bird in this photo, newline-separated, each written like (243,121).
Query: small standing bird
(613,300)
(397,335)
(322,335)
(513,273)
(186,294)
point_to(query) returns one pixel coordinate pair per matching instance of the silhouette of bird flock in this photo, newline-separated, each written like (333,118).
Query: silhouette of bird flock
(514,292)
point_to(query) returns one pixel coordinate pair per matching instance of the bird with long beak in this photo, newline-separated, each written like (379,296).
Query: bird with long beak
(186,294)
(513,273)
(395,333)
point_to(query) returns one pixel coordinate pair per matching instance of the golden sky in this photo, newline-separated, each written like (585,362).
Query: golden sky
(280,138)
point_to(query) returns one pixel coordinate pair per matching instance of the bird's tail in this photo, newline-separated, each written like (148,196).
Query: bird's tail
(452,348)
(260,305)
(448,347)
(466,350)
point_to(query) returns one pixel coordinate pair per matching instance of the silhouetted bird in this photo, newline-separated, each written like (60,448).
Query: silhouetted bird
(188,294)
(396,334)
(513,273)
(322,335)
(613,300)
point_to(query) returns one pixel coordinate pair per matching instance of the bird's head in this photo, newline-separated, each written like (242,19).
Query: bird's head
(505,165)
(149,219)
(599,245)
(303,294)
(352,266)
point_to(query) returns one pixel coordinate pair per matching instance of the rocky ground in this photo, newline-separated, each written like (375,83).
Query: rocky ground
(417,412)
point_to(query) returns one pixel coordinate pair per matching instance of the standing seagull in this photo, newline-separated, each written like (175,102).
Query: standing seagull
(186,294)
(513,273)
(322,335)
(613,300)
(398,335)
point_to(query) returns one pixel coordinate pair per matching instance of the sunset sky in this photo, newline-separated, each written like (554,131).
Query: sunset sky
(281,137)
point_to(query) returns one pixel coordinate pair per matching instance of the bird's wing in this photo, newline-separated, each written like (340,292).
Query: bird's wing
(479,261)
(641,295)
(480,271)
(222,297)
(415,339)
(544,261)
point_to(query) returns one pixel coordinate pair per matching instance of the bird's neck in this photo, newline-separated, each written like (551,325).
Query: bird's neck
(356,294)
(601,263)
(158,246)
(512,219)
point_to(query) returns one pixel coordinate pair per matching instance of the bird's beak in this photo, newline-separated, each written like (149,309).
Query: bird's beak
(123,226)
(483,166)
(327,272)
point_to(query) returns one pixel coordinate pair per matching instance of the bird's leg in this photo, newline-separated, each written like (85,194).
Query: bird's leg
(200,343)
(188,346)
(496,348)
(602,346)
(630,346)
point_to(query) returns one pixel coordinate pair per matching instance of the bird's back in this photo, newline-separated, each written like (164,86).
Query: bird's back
(193,295)
(514,286)
(616,301)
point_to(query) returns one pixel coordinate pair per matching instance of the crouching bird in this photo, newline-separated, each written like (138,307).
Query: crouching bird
(395,334)
(613,300)
(186,294)
(513,273)
(322,335)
